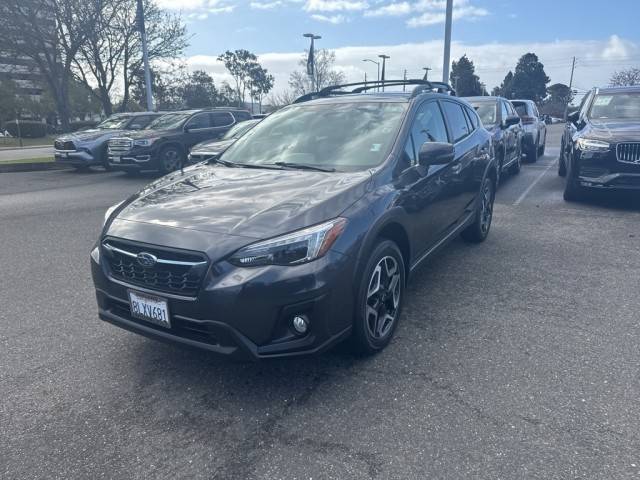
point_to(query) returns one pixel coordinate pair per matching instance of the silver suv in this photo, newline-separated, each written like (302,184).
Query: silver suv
(535,130)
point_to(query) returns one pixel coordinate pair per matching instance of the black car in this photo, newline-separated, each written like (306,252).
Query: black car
(213,148)
(305,230)
(535,130)
(87,148)
(600,147)
(164,145)
(501,120)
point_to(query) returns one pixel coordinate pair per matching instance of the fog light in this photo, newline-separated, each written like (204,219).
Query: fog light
(300,324)
(95,254)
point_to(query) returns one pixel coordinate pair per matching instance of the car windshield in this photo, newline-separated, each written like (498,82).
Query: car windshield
(347,136)
(239,129)
(168,121)
(116,122)
(611,106)
(486,112)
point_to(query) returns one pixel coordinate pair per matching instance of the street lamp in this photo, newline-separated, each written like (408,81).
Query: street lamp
(311,60)
(377,65)
(384,62)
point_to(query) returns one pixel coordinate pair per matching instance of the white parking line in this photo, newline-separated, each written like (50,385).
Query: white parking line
(533,184)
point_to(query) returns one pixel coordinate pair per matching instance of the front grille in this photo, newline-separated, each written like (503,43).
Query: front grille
(119,145)
(179,272)
(629,152)
(68,145)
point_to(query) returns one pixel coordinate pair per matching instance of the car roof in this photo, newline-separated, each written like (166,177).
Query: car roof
(522,100)
(485,98)
(631,89)
(378,97)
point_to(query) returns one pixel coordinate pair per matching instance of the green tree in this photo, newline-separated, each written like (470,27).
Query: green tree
(504,90)
(261,83)
(464,79)
(199,91)
(529,80)
(239,64)
(559,96)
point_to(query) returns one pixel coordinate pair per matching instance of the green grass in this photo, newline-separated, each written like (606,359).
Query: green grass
(26,142)
(29,160)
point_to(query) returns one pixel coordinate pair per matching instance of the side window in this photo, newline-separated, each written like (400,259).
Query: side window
(457,122)
(201,120)
(512,111)
(140,122)
(222,119)
(429,125)
(408,155)
(241,115)
(505,110)
(475,122)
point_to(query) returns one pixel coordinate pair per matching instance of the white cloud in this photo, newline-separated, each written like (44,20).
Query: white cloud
(390,10)
(335,5)
(266,5)
(434,17)
(333,19)
(597,60)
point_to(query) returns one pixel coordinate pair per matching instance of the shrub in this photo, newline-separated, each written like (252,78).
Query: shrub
(28,129)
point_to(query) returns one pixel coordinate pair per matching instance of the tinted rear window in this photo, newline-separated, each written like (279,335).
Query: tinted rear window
(521,109)
(457,120)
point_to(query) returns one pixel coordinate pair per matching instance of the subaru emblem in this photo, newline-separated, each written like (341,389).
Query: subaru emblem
(146,260)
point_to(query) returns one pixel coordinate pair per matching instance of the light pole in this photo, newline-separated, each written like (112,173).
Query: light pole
(377,65)
(426,72)
(447,42)
(384,63)
(311,61)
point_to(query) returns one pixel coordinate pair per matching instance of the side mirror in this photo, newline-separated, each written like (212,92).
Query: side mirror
(435,153)
(511,120)
(573,116)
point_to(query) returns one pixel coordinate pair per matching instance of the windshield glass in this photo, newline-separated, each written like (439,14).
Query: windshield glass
(486,112)
(615,106)
(169,121)
(349,136)
(239,129)
(115,122)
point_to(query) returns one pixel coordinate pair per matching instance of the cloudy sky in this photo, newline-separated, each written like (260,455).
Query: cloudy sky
(493,33)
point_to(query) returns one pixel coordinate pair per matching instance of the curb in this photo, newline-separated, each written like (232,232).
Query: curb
(30,167)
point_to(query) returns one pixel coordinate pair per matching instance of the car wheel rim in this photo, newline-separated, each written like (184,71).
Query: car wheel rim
(383,297)
(486,214)
(171,159)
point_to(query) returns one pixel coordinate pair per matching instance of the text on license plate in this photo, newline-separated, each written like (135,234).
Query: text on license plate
(150,308)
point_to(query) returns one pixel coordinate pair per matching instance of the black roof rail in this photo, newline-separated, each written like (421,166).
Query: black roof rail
(424,86)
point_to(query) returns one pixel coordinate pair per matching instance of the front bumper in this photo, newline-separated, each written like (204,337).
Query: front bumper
(138,158)
(74,157)
(245,313)
(603,171)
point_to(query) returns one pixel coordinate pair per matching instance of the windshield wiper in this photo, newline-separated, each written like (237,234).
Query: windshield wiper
(304,166)
(227,163)
(221,162)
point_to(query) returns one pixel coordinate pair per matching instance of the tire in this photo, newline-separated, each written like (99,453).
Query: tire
(572,191)
(478,231)
(500,166)
(385,266)
(541,148)
(169,159)
(562,166)
(105,160)
(532,153)
(514,169)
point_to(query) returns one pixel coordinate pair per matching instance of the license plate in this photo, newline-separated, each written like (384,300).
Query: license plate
(116,159)
(150,308)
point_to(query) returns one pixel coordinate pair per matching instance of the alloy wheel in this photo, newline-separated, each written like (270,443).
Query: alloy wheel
(170,160)
(383,297)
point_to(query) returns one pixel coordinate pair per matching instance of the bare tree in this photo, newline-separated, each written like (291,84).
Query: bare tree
(324,73)
(112,53)
(49,34)
(281,99)
(626,78)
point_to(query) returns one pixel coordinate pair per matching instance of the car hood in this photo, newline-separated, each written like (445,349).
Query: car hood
(255,203)
(137,134)
(613,132)
(89,135)
(213,146)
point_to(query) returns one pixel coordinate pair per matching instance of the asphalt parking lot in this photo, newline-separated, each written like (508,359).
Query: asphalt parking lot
(516,358)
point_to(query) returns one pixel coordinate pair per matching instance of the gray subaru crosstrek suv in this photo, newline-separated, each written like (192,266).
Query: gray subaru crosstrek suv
(87,148)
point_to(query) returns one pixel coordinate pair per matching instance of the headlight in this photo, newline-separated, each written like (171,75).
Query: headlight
(109,211)
(144,142)
(293,248)
(590,145)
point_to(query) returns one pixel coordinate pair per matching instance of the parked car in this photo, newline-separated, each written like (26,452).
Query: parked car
(535,130)
(87,148)
(305,230)
(163,146)
(501,120)
(214,148)
(600,146)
